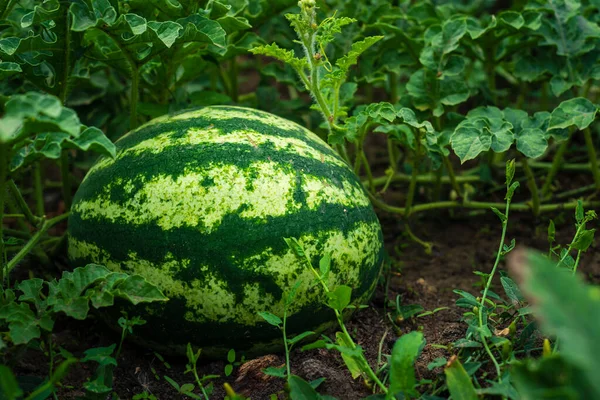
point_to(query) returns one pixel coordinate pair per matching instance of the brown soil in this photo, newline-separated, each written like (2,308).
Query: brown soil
(461,246)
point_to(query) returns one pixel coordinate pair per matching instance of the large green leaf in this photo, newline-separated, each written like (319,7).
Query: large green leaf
(579,112)
(51,145)
(402,364)
(567,308)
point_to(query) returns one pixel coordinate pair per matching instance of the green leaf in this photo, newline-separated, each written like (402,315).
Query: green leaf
(271,318)
(499,214)
(512,290)
(458,381)
(9,387)
(510,171)
(550,377)
(22,323)
(402,364)
(286,56)
(325,266)
(296,247)
(351,362)
(51,145)
(572,321)
(300,337)
(137,289)
(351,58)
(468,141)
(100,355)
(579,212)
(34,113)
(329,28)
(172,383)
(551,232)
(231,355)
(584,240)
(31,289)
(579,112)
(279,372)
(340,297)
(228,369)
(532,143)
(567,30)
(512,18)
(409,118)
(8,69)
(301,390)
(187,388)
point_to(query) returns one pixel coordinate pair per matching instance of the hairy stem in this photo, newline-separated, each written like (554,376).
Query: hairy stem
(556,166)
(38,189)
(477,205)
(22,204)
(533,189)
(423,178)
(46,225)
(452,176)
(489,283)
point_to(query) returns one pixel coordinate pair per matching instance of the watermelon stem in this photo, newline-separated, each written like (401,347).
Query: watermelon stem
(46,225)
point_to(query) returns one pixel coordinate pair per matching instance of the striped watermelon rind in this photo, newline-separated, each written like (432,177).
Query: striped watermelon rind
(199,203)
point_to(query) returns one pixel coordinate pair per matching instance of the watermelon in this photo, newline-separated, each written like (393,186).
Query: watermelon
(199,203)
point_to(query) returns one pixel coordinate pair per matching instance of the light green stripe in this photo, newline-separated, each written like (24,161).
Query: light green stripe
(210,299)
(159,143)
(264,189)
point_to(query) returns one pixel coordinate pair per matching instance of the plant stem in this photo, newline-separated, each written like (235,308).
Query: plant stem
(348,339)
(556,165)
(413,179)
(491,73)
(573,167)
(358,157)
(426,245)
(424,178)
(64,80)
(477,205)
(4,151)
(368,171)
(46,225)
(452,176)
(574,192)
(8,6)
(65,172)
(38,189)
(135,80)
(22,204)
(285,344)
(589,144)
(393,83)
(489,283)
(233,79)
(570,248)
(533,189)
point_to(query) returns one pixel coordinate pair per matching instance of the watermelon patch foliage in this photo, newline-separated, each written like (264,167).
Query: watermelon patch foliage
(139,139)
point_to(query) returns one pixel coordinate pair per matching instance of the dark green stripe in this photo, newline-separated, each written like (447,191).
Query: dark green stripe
(175,161)
(181,127)
(236,237)
(166,330)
